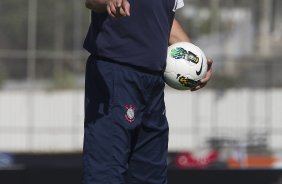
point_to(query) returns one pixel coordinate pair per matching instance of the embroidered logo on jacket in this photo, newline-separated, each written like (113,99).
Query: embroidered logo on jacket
(130,113)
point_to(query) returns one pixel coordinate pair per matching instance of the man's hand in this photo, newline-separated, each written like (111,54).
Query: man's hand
(205,80)
(115,8)
(118,8)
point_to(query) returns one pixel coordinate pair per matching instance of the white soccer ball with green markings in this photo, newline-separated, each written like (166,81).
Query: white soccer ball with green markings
(186,65)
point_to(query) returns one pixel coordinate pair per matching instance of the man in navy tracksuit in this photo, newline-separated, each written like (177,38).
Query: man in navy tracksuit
(126,130)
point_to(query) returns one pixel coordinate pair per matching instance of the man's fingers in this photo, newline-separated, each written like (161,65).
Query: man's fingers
(126,7)
(209,72)
(109,11)
(210,61)
(113,8)
(196,88)
(118,8)
(207,77)
(122,12)
(205,80)
(118,3)
(199,86)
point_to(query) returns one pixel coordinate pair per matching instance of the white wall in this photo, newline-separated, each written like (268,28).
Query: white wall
(41,121)
(53,121)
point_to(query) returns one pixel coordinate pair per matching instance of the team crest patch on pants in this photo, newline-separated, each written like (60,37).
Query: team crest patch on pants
(130,113)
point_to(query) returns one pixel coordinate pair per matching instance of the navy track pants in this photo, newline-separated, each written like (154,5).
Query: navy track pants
(125,129)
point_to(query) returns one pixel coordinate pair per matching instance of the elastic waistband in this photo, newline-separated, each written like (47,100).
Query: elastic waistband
(128,66)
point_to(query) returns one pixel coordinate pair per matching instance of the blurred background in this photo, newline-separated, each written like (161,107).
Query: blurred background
(234,123)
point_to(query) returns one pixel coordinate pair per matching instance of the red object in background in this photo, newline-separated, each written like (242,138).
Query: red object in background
(253,161)
(187,160)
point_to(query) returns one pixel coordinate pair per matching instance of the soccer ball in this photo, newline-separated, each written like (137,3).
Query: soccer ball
(186,65)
